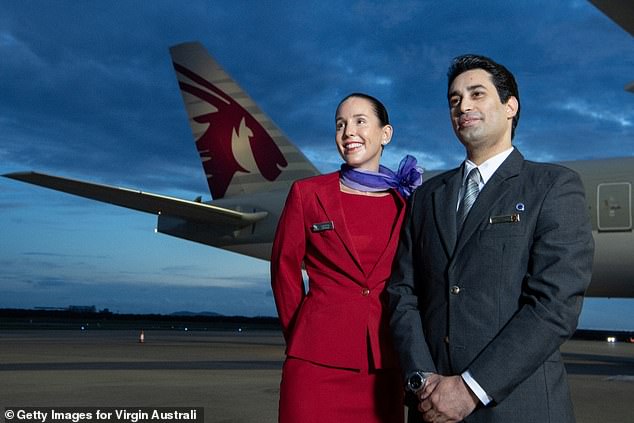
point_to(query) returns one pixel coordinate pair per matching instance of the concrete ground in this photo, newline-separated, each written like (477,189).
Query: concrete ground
(233,376)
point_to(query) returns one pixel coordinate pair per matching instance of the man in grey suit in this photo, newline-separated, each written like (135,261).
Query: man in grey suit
(493,263)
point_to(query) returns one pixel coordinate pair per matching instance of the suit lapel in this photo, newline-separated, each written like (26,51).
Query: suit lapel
(329,198)
(445,199)
(492,193)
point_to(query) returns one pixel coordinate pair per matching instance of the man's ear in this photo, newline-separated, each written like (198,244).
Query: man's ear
(511,107)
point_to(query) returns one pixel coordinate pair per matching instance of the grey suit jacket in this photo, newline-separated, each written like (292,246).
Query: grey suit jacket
(501,297)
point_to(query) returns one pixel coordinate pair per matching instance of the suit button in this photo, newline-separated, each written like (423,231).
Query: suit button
(446,340)
(455,290)
(365,292)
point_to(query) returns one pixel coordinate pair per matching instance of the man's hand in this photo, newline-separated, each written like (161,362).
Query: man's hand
(446,399)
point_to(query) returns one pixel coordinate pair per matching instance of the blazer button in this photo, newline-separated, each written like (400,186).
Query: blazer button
(446,340)
(455,290)
(365,292)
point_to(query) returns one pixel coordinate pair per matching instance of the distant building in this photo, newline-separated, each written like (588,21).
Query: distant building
(82,309)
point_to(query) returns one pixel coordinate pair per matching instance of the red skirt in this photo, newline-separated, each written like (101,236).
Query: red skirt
(313,393)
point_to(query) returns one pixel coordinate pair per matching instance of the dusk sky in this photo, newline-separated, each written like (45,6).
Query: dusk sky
(87,91)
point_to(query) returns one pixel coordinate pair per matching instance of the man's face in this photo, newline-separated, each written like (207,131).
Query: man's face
(479,119)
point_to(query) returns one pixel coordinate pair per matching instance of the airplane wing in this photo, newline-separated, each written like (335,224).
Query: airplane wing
(621,12)
(142,201)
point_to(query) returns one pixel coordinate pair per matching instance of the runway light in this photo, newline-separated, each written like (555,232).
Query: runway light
(611,339)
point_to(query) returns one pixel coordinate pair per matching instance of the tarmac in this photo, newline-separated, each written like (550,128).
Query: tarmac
(232,375)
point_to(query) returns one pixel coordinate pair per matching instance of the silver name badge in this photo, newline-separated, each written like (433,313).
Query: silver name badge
(323,226)
(509,218)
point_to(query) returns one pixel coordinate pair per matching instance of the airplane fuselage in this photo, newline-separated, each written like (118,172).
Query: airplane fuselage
(608,184)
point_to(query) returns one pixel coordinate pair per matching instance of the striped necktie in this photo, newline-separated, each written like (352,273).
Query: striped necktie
(469,195)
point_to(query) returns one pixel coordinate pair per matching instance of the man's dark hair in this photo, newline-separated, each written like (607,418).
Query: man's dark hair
(501,77)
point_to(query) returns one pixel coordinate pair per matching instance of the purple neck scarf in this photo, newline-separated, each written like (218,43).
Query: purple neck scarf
(405,180)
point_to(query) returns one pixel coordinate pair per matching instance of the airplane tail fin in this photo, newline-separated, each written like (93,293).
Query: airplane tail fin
(241,149)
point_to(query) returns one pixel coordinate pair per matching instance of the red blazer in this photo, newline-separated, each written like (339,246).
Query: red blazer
(345,309)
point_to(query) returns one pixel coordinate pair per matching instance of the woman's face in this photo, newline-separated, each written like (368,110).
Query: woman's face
(359,134)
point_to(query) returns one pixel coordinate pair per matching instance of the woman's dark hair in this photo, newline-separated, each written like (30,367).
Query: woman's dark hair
(501,77)
(379,108)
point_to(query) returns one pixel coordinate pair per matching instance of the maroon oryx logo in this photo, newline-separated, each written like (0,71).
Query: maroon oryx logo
(215,144)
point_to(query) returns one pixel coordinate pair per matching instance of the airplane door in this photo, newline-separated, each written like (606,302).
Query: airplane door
(614,206)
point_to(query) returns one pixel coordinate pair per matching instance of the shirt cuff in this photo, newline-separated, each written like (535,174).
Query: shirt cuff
(484,398)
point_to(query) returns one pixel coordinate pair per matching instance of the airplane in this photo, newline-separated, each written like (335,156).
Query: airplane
(250,165)
(622,13)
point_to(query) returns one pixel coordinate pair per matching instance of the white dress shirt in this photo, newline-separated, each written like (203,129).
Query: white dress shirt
(486,169)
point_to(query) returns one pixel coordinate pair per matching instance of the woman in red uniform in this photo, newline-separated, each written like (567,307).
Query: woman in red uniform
(343,227)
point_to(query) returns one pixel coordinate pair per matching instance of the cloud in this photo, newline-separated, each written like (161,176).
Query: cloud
(587,110)
(58,255)
(88,91)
